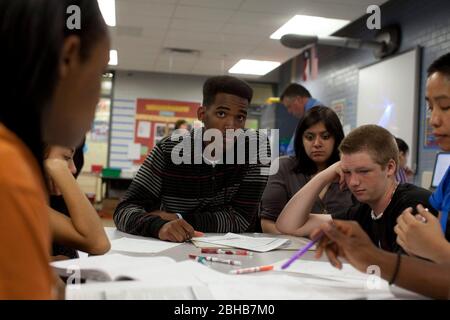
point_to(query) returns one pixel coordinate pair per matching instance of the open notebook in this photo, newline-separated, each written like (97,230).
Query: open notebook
(110,267)
(258,244)
(292,244)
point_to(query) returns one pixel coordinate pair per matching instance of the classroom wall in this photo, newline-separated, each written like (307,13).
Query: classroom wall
(422,23)
(130,86)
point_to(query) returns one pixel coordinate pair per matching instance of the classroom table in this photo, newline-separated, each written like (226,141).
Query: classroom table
(181,253)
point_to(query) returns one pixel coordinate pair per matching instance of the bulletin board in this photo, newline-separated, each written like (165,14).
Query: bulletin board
(156,119)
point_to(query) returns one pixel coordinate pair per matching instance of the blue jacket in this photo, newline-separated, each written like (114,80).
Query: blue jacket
(440,199)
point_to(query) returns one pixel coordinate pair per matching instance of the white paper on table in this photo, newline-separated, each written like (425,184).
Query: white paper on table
(296,243)
(183,280)
(279,288)
(111,266)
(322,269)
(192,280)
(187,272)
(136,290)
(325,274)
(247,287)
(143,130)
(259,244)
(146,245)
(82,255)
(201,244)
(112,233)
(293,244)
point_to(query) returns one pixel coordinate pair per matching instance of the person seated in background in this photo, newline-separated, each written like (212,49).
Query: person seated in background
(404,174)
(168,200)
(369,158)
(54,77)
(317,138)
(430,240)
(181,124)
(80,227)
(57,203)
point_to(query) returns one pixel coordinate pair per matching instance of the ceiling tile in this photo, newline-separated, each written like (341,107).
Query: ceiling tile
(224,31)
(246,29)
(222,4)
(195,25)
(149,9)
(200,13)
(251,18)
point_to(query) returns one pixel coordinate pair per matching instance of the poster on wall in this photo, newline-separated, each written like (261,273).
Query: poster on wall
(155,119)
(99,131)
(134,151)
(338,106)
(143,129)
(429,140)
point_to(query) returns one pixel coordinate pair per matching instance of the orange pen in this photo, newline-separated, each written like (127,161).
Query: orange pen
(252,269)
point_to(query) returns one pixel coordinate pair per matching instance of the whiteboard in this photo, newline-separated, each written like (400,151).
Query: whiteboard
(388,96)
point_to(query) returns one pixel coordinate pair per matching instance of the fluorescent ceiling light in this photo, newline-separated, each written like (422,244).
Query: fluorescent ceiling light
(113,58)
(309,26)
(108,9)
(255,67)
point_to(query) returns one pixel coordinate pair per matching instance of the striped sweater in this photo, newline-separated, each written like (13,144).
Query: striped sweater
(211,198)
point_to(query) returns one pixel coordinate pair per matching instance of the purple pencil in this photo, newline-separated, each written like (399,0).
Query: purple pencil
(302,251)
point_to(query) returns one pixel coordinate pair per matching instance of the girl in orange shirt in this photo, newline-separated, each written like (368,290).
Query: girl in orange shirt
(53,84)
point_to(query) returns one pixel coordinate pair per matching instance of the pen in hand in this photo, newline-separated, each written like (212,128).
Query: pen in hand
(302,251)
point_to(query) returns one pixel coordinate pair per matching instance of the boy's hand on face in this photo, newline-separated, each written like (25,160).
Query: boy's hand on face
(334,173)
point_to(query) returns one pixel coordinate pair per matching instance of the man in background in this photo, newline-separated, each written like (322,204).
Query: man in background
(297,100)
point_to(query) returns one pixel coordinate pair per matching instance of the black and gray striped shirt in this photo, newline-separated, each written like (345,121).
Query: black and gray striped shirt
(219,198)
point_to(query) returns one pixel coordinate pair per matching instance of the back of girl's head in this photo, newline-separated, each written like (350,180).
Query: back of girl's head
(332,124)
(32,34)
(93,26)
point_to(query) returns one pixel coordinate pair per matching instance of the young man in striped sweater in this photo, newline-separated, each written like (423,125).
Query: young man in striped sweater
(169,200)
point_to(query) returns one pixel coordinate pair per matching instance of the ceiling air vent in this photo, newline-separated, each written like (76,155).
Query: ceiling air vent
(182,51)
